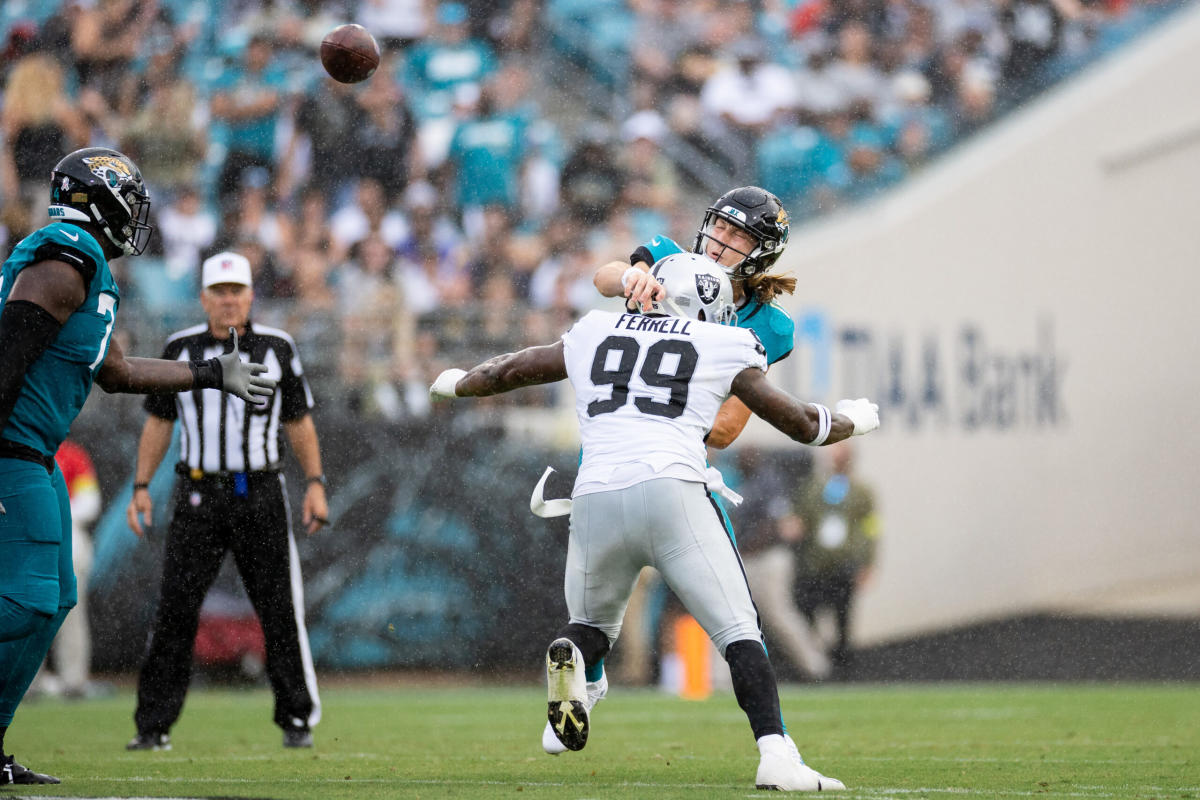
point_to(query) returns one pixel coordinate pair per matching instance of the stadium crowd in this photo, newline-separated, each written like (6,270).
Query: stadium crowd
(458,201)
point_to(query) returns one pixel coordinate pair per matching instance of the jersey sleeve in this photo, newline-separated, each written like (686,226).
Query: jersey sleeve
(655,250)
(295,395)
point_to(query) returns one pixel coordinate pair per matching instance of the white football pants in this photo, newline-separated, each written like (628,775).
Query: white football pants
(668,524)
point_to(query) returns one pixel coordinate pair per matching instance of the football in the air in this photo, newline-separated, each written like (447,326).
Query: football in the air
(349,53)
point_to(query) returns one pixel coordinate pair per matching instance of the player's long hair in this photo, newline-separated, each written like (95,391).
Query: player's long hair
(765,287)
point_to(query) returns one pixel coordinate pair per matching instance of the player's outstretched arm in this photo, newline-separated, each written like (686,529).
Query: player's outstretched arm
(529,367)
(150,375)
(807,423)
(730,422)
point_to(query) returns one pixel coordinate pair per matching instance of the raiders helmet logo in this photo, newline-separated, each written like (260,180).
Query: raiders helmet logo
(708,287)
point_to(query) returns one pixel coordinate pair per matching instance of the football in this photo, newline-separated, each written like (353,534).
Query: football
(349,53)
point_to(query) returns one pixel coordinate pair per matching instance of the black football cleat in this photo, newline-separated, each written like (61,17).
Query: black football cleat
(13,773)
(297,737)
(149,741)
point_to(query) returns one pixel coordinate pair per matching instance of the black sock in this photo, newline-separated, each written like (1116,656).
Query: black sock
(755,687)
(592,642)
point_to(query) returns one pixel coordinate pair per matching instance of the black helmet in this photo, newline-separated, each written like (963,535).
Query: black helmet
(760,214)
(100,186)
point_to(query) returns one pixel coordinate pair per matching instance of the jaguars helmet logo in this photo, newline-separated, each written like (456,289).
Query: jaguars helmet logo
(707,287)
(110,169)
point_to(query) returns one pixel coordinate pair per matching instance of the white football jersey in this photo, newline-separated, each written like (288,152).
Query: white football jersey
(647,390)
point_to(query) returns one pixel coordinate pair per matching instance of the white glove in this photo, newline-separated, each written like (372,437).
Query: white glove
(443,387)
(862,412)
(715,483)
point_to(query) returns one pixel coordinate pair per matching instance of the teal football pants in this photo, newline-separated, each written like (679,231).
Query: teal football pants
(37,581)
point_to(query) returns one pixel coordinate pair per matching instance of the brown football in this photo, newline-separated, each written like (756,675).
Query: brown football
(349,53)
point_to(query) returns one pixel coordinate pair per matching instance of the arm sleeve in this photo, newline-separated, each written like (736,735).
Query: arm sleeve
(26,330)
(162,405)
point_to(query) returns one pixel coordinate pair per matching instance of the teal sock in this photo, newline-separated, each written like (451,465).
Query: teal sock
(594,672)
(20,660)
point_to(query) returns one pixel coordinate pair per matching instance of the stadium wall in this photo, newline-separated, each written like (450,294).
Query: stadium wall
(1024,311)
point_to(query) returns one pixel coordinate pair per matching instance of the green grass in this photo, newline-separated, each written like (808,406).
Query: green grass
(904,741)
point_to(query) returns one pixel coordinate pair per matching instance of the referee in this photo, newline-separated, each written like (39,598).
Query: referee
(230,496)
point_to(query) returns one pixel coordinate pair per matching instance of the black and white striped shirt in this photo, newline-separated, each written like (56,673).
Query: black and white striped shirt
(220,432)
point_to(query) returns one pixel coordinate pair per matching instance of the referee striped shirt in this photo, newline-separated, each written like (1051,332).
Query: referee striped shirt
(223,433)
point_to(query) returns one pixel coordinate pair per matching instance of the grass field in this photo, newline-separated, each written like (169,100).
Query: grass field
(898,741)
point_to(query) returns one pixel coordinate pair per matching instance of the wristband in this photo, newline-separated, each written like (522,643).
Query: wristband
(824,424)
(137,486)
(315,479)
(206,374)
(625,276)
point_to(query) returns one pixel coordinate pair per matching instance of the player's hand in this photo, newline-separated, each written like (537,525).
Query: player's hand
(641,289)
(316,508)
(140,512)
(244,379)
(862,412)
(443,386)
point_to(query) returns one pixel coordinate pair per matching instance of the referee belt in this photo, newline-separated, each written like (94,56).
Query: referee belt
(220,476)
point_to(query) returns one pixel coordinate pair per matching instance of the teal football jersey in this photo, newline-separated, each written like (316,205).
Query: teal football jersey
(58,383)
(773,326)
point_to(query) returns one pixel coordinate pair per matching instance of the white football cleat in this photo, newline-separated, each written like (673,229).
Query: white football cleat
(566,694)
(596,691)
(781,768)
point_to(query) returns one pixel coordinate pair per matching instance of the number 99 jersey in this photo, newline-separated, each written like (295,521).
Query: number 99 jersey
(647,390)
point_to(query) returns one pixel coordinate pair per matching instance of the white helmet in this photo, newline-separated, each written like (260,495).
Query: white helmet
(697,288)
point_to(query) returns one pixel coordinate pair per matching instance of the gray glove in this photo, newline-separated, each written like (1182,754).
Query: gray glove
(230,374)
(243,379)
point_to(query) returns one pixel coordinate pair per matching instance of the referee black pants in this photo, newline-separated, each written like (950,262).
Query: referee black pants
(213,516)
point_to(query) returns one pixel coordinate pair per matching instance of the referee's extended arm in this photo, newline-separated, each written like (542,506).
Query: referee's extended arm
(152,446)
(302,435)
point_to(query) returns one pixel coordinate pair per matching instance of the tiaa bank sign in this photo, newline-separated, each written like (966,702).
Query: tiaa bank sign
(963,376)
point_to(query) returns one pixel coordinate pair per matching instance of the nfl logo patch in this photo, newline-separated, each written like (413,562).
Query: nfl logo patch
(707,287)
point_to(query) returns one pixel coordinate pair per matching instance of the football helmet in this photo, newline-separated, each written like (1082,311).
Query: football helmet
(757,212)
(103,187)
(697,288)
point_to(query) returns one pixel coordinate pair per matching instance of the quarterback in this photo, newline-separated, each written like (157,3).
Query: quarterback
(648,389)
(58,304)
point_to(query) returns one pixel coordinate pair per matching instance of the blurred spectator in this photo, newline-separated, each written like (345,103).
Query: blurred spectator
(396,24)
(311,230)
(325,120)
(747,91)
(485,157)
(378,330)
(40,124)
(257,217)
(248,99)
(592,179)
(914,129)
(767,533)
(370,212)
(853,71)
(383,139)
(432,262)
(1034,30)
(448,58)
(166,126)
(976,100)
(652,190)
(186,229)
(107,37)
(840,533)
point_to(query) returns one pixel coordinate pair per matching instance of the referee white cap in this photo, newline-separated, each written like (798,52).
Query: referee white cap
(226,268)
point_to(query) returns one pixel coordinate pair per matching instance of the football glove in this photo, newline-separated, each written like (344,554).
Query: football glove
(443,386)
(862,412)
(244,379)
